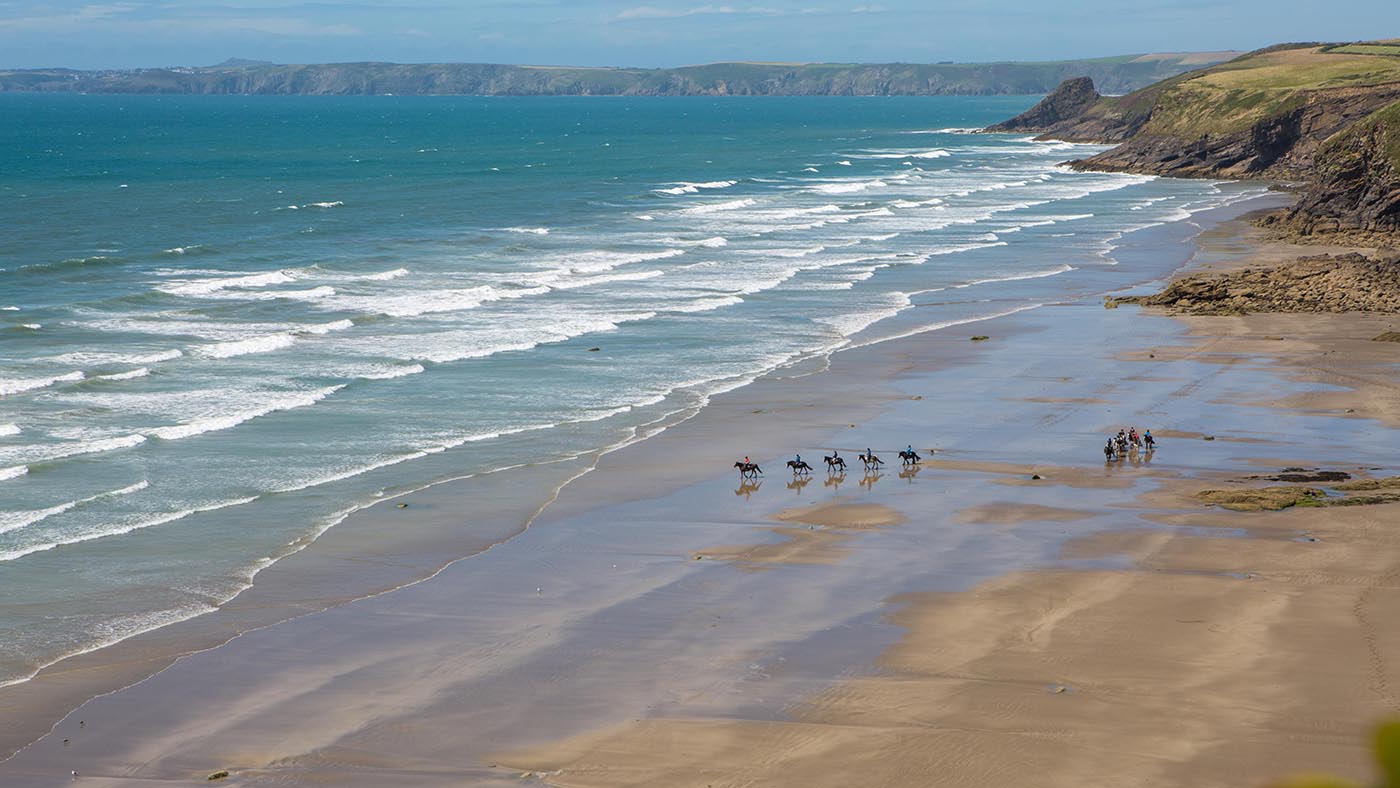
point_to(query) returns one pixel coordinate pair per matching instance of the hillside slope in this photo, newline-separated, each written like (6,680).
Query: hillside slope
(1115,74)
(1325,115)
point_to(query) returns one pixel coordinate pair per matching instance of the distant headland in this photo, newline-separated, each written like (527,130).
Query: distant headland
(1120,74)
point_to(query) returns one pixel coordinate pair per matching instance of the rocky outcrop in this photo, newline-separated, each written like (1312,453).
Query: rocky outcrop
(1065,103)
(1283,146)
(1343,283)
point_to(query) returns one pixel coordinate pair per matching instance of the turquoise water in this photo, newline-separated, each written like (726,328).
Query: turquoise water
(230,321)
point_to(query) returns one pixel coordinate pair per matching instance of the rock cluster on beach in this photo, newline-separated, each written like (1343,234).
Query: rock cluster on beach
(1327,283)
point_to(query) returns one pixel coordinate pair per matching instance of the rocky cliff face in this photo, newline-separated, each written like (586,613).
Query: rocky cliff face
(1065,103)
(1355,183)
(1282,146)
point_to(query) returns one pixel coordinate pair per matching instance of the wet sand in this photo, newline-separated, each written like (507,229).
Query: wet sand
(963,623)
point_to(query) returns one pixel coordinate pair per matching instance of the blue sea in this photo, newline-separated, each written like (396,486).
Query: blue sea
(228,322)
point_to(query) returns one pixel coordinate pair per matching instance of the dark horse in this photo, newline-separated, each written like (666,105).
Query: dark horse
(871,461)
(1151,444)
(799,466)
(1109,453)
(909,457)
(749,470)
(833,463)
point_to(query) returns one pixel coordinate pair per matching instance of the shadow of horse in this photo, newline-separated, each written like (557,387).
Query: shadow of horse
(798,482)
(835,480)
(868,481)
(909,472)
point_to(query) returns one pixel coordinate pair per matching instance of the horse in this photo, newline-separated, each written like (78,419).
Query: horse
(1148,440)
(1134,440)
(1122,445)
(909,457)
(749,469)
(799,466)
(833,463)
(1109,454)
(871,461)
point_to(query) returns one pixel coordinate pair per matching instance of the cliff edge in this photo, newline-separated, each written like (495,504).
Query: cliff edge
(1324,116)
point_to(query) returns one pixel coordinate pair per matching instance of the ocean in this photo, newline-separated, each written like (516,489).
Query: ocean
(228,322)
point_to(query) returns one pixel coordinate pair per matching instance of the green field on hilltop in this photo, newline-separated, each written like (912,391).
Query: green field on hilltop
(1233,96)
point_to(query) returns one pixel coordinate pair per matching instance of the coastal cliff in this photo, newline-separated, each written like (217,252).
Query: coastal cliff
(1326,117)
(1116,74)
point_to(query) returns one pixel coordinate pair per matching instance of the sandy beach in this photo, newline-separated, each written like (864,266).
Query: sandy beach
(1012,612)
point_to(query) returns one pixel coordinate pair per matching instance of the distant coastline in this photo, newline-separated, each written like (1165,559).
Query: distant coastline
(1121,74)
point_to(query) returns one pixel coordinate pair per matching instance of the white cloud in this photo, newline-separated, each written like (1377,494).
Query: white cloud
(869,9)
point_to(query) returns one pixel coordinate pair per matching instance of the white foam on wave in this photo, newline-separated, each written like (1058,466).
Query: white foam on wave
(266,343)
(845,187)
(9,309)
(121,527)
(850,324)
(139,372)
(1056,271)
(244,347)
(527,230)
(389,373)
(310,294)
(714,242)
(6,430)
(204,287)
(949,130)
(329,204)
(13,472)
(384,276)
(716,207)
(13,521)
(528,331)
(18,385)
(792,253)
(181,249)
(601,279)
(944,324)
(903,154)
(32,326)
(685,187)
(326,328)
(413,304)
(57,451)
(707,304)
(271,403)
(103,357)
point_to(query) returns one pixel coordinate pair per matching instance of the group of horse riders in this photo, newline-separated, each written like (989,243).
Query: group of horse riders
(1118,446)
(834,462)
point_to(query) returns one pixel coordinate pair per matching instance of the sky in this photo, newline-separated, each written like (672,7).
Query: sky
(659,33)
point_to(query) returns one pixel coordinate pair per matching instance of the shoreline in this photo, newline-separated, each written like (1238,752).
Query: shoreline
(595,494)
